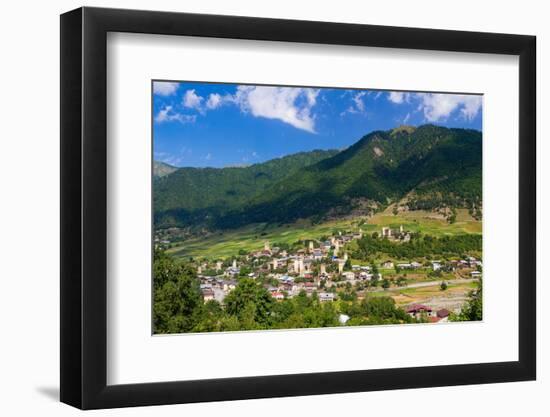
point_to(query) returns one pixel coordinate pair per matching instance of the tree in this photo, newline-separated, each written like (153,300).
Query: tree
(386,284)
(374,281)
(177,297)
(473,309)
(347,265)
(443,286)
(302,299)
(251,301)
(435,274)
(382,310)
(212,317)
(374,268)
(452,217)
(244,271)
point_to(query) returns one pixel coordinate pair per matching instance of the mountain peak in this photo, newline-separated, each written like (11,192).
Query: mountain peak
(441,165)
(402,129)
(161,169)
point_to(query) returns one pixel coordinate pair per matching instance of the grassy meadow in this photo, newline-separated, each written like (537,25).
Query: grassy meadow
(252,237)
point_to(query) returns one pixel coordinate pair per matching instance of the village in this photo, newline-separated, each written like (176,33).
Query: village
(324,269)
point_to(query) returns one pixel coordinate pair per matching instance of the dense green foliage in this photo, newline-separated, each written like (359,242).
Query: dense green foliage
(434,167)
(191,195)
(179,308)
(419,246)
(177,297)
(375,310)
(473,309)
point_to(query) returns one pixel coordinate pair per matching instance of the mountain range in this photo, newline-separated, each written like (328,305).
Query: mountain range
(425,167)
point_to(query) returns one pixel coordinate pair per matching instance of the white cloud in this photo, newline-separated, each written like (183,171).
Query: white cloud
(440,106)
(192,101)
(398,97)
(359,103)
(311,95)
(174,160)
(164,88)
(214,101)
(357,106)
(436,107)
(406,118)
(208,156)
(290,105)
(377,96)
(471,107)
(167,114)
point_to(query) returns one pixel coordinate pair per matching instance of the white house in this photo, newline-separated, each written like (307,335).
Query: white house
(350,276)
(326,296)
(436,265)
(207,294)
(387,265)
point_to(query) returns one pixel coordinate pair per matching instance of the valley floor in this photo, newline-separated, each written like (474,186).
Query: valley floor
(314,258)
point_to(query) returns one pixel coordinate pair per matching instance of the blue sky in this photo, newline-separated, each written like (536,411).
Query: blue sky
(219,125)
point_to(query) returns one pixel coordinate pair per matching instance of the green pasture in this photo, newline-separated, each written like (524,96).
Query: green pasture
(227,243)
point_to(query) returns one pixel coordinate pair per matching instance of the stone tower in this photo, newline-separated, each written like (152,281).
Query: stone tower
(301,267)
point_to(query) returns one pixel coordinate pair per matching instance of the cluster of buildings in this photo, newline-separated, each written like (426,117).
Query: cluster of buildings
(313,268)
(395,234)
(436,265)
(318,266)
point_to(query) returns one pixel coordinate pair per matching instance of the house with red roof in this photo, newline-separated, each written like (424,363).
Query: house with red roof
(419,310)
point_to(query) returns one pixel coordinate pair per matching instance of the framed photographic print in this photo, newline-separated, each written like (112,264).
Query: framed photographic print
(258,208)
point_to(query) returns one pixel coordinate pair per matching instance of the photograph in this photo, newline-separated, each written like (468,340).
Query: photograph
(291,207)
(260,209)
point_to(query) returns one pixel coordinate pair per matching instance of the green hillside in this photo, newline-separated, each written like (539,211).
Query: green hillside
(191,195)
(427,167)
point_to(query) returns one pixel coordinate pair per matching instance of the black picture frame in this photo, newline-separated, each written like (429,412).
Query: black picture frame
(84,207)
